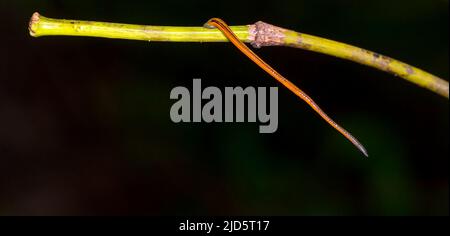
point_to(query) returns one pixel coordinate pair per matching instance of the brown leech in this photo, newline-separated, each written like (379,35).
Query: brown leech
(223,27)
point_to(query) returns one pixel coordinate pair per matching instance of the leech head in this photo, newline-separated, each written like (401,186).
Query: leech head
(208,25)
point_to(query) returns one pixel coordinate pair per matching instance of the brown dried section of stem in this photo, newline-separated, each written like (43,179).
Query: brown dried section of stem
(263,34)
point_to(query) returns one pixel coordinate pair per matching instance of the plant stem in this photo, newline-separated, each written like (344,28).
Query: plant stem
(43,26)
(366,57)
(259,34)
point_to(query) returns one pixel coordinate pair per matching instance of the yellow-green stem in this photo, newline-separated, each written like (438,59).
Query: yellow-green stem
(43,26)
(258,34)
(366,57)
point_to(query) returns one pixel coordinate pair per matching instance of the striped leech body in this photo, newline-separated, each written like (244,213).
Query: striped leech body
(223,27)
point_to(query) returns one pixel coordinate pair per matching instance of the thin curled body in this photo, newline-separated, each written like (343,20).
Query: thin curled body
(223,27)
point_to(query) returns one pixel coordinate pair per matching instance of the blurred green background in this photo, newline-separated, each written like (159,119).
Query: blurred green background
(85,126)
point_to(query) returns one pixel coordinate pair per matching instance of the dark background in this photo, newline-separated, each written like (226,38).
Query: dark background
(85,126)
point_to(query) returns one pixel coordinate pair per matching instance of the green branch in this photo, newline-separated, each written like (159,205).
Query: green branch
(259,34)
